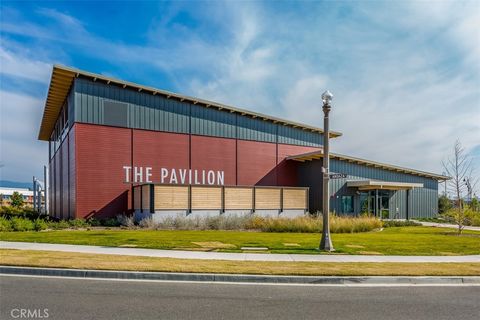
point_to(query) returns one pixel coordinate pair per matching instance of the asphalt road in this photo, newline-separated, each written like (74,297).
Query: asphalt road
(97,299)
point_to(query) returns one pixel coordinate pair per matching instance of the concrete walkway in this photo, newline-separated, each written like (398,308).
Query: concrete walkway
(230,256)
(446,225)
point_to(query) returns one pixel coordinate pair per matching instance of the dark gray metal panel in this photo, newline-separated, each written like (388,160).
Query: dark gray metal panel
(256,129)
(298,136)
(423,201)
(71,107)
(146,111)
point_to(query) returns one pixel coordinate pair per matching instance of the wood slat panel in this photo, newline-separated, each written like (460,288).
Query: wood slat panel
(136,198)
(294,199)
(204,198)
(238,198)
(146,197)
(171,197)
(267,198)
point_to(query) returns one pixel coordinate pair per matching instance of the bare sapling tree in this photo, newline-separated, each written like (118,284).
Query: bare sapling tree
(460,168)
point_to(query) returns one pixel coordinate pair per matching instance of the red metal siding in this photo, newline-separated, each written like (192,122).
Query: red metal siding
(286,171)
(160,150)
(286,150)
(51,188)
(72,172)
(65,183)
(256,162)
(97,154)
(218,154)
(57,185)
(101,153)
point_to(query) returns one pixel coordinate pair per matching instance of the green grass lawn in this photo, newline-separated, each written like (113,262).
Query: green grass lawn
(390,241)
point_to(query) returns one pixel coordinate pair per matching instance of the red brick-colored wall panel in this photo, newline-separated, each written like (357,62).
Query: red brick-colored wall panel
(217,154)
(101,153)
(286,150)
(51,188)
(160,150)
(256,162)
(72,173)
(286,171)
(65,183)
(57,178)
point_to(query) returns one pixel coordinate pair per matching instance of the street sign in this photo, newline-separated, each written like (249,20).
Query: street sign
(338,176)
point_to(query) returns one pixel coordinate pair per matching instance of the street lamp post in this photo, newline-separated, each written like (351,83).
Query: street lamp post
(326,242)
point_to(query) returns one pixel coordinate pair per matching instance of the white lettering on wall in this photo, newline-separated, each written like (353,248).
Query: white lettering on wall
(196,177)
(211,177)
(221,178)
(183,175)
(127,173)
(148,175)
(164,174)
(173,176)
(138,174)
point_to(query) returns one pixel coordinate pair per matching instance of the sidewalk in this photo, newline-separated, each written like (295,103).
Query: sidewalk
(446,225)
(231,256)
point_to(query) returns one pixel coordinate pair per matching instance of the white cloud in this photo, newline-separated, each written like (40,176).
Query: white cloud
(18,66)
(21,154)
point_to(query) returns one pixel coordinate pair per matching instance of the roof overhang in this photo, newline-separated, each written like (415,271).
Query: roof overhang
(385,185)
(315,155)
(60,83)
(62,78)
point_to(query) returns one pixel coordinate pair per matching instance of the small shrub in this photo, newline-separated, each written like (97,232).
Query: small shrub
(24,212)
(400,223)
(78,223)
(58,225)
(465,217)
(265,224)
(354,224)
(5,225)
(21,224)
(40,224)
(94,222)
(9,211)
(126,221)
(111,222)
(16,200)
(148,223)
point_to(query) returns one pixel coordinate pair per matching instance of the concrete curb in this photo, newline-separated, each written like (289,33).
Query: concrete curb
(240,278)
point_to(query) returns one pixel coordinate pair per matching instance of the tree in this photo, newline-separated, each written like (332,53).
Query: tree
(16,200)
(475,204)
(444,204)
(459,167)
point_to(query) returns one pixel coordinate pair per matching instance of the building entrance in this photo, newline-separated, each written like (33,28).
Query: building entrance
(375,203)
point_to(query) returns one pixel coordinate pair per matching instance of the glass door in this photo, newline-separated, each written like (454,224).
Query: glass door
(367,203)
(383,204)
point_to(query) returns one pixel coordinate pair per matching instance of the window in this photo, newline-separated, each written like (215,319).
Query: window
(347,204)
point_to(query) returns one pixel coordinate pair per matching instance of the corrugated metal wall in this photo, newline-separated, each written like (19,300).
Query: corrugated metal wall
(423,201)
(146,111)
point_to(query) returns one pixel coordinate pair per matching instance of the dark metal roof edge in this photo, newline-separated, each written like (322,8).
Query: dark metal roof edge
(365,161)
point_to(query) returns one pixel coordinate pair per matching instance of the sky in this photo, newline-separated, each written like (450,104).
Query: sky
(405,75)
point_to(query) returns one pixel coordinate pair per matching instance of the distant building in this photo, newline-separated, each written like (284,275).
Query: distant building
(6,195)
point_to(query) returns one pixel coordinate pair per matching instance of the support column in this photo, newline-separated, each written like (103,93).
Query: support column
(407,212)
